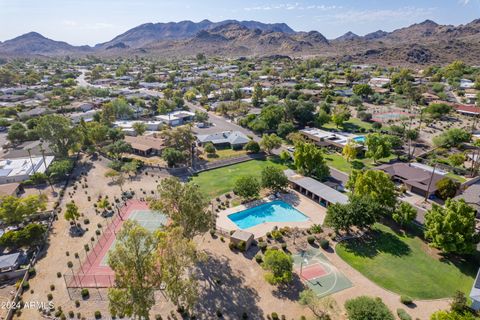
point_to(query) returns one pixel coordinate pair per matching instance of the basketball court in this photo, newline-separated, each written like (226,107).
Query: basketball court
(319,274)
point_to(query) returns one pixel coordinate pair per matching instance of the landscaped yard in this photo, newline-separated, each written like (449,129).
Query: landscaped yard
(219,181)
(353,124)
(406,265)
(338,162)
(225,154)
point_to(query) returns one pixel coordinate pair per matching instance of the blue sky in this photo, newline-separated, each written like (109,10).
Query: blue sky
(93,21)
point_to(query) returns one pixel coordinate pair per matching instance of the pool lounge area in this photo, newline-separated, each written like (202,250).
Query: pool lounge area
(259,217)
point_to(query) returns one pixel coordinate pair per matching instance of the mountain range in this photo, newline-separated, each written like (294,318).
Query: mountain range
(421,43)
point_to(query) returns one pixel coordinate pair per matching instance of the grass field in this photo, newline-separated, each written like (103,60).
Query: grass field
(403,265)
(219,181)
(338,162)
(353,124)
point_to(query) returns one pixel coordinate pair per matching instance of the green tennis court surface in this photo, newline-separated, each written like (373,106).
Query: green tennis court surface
(149,219)
(319,274)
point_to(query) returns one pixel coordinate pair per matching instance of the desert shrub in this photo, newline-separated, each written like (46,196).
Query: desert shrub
(316,228)
(85,293)
(242,246)
(259,258)
(403,315)
(324,244)
(311,239)
(262,246)
(406,300)
(98,315)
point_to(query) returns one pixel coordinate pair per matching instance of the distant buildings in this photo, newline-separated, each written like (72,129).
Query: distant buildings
(334,140)
(176,118)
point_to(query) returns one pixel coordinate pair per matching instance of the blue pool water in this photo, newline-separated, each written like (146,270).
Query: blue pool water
(275,211)
(360,139)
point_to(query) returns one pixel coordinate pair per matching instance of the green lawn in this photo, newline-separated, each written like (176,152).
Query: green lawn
(401,264)
(353,124)
(338,162)
(219,181)
(456,177)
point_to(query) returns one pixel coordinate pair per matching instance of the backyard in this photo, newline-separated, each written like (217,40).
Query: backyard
(219,181)
(338,162)
(404,264)
(352,125)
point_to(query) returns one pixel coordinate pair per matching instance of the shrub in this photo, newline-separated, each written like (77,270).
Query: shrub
(284,246)
(232,246)
(324,244)
(276,234)
(98,315)
(71,314)
(212,232)
(52,287)
(275,316)
(259,258)
(77,303)
(32,271)
(364,307)
(403,315)
(85,293)
(406,300)
(244,315)
(311,239)
(50,297)
(316,228)
(262,246)
(242,246)
(86,221)
(269,235)
(25,285)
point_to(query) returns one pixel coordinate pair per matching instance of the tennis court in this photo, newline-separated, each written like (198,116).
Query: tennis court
(94,271)
(319,274)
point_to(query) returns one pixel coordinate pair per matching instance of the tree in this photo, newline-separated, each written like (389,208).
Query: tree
(210,148)
(15,210)
(201,117)
(139,128)
(376,184)
(180,138)
(285,128)
(274,179)
(321,119)
(247,187)
(350,151)
(133,262)
(451,228)
(447,188)
(308,159)
(31,235)
(453,315)
(252,146)
(279,266)
(72,213)
(270,142)
(173,156)
(340,114)
(452,138)
(378,146)
(116,149)
(317,305)
(59,132)
(363,90)
(360,212)
(17,133)
(404,213)
(185,205)
(459,302)
(456,159)
(285,156)
(257,96)
(366,308)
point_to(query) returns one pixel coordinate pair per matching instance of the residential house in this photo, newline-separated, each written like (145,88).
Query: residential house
(475,293)
(471,195)
(226,139)
(335,140)
(20,169)
(149,145)
(176,118)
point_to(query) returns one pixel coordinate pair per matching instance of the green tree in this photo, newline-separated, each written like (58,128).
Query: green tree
(59,169)
(257,96)
(173,157)
(350,151)
(376,184)
(17,133)
(247,187)
(139,128)
(456,159)
(452,138)
(15,210)
(367,308)
(210,148)
(118,147)
(136,278)
(451,228)
(185,205)
(308,159)
(404,213)
(340,114)
(319,306)
(378,146)
(252,146)
(279,266)
(447,188)
(363,90)
(274,179)
(201,117)
(59,132)
(321,119)
(72,213)
(360,212)
(452,315)
(270,142)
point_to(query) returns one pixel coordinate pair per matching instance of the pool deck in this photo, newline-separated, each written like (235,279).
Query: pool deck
(315,213)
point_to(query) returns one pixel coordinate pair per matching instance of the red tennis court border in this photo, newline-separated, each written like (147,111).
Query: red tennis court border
(312,271)
(92,274)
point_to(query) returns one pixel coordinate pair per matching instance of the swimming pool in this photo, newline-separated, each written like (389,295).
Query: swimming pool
(275,211)
(359,139)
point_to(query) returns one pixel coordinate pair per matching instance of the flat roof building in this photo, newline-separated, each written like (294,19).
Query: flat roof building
(20,169)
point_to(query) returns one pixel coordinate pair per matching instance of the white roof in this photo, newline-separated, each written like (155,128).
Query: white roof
(24,166)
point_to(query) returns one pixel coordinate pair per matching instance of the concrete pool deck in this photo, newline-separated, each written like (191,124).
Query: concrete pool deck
(315,213)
